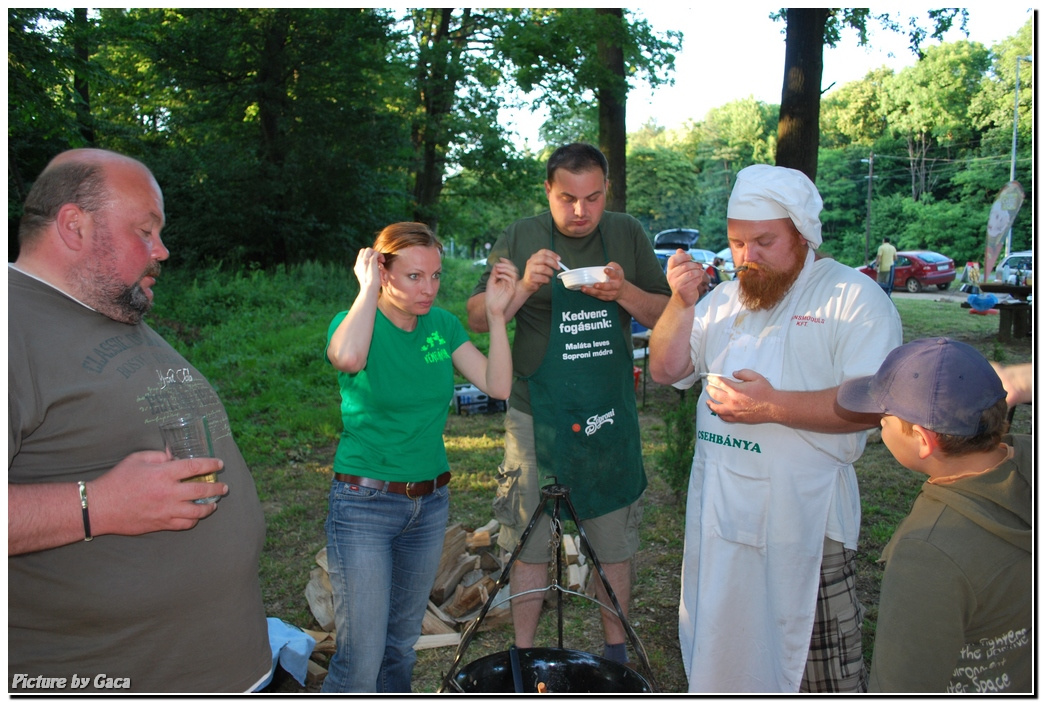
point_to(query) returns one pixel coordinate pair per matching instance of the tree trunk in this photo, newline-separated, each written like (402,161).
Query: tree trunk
(611,95)
(81,47)
(437,74)
(271,110)
(918,147)
(798,131)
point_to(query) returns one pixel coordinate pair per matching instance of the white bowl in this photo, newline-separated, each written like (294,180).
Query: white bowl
(714,379)
(577,277)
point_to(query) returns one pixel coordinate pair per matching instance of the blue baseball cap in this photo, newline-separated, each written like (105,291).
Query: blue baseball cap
(938,383)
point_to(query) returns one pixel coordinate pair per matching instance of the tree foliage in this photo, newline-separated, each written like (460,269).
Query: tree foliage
(808,31)
(455,99)
(927,107)
(664,192)
(286,135)
(732,136)
(570,58)
(281,135)
(853,114)
(971,108)
(242,114)
(41,114)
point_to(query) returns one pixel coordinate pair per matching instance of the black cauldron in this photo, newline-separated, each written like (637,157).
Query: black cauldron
(562,670)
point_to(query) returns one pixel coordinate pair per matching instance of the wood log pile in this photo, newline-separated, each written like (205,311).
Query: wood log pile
(466,576)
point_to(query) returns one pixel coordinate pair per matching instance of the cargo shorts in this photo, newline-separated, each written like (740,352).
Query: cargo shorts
(615,536)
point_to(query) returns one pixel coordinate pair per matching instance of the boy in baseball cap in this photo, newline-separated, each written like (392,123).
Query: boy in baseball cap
(955,610)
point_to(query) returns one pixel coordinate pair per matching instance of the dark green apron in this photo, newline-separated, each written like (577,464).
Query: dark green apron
(587,432)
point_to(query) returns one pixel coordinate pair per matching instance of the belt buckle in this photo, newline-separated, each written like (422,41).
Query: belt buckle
(408,491)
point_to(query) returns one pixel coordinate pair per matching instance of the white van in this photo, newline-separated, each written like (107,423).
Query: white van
(1015,264)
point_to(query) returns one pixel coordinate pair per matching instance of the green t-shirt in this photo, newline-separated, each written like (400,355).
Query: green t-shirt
(394,410)
(626,243)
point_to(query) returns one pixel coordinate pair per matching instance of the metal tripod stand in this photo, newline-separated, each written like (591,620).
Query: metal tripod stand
(556,493)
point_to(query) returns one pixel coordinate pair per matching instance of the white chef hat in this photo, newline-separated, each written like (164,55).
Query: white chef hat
(773,192)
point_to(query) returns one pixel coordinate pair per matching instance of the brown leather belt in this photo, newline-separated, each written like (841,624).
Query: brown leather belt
(411,490)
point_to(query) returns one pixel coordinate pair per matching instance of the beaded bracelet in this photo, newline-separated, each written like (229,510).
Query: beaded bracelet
(86,512)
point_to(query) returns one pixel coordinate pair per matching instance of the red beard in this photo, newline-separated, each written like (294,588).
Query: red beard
(762,288)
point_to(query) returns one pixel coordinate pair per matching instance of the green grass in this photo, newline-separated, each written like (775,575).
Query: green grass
(259,337)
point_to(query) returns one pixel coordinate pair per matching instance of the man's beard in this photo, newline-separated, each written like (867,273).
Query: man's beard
(102,289)
(762,288)
(132,301)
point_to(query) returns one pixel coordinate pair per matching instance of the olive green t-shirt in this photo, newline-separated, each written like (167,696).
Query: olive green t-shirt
(623,239)
(163,612)
(956,608)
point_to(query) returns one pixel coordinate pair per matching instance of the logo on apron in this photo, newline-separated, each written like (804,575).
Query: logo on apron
(597,421)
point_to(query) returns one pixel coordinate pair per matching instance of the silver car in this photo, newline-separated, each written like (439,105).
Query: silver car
(1016,264)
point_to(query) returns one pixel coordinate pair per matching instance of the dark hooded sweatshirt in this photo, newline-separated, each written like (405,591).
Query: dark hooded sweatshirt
(956,608)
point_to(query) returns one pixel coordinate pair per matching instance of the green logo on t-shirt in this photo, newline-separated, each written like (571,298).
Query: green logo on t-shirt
(435,350)
(435,339)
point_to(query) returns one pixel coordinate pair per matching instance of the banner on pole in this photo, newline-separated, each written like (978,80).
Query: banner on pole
(1002,214)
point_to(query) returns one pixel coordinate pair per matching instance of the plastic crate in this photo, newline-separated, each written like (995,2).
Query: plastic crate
(470,400)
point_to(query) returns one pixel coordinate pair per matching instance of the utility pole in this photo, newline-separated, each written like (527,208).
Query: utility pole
(870,161)
(1015,130)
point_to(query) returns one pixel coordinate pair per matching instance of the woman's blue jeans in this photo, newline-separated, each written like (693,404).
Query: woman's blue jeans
(383,551)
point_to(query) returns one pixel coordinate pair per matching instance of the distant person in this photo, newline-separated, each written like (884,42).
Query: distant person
(721,270)
(388,505)
(768,600)
(117,580)
(572,353)
(712,275)
(956,610)
(885,258)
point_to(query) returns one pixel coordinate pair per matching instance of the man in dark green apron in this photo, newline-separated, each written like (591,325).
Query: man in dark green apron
(572,412)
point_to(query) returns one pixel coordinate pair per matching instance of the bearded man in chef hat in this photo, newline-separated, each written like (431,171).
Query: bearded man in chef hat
(768,601)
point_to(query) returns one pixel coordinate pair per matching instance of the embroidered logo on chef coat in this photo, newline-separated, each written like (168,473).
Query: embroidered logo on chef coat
(805,320)
(435,350)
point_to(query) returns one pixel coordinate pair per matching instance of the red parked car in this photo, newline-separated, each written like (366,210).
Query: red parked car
(916,269)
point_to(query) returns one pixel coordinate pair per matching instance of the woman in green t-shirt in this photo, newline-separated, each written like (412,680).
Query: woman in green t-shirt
(388,506)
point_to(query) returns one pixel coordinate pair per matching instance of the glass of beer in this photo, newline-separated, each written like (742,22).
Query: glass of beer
(188,436)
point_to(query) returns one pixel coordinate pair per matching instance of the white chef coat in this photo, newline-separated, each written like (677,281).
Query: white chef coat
(762,497)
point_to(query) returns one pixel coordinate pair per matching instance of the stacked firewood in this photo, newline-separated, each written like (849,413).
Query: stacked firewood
(466,577)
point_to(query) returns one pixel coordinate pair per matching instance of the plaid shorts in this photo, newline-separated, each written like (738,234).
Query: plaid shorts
(835,662)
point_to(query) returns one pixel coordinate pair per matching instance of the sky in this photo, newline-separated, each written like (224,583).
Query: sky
(728,56)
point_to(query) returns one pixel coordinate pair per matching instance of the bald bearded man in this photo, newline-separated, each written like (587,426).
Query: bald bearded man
(118,578)
(768,600)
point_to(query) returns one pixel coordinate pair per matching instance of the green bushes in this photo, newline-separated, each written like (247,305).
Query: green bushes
(675,459)
(259,337)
